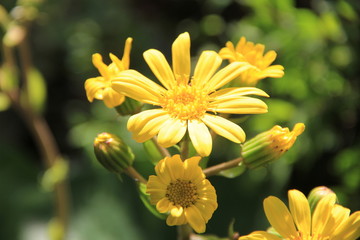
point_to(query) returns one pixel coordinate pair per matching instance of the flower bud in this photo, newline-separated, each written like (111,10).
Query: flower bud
(112,152)
(317,194)
(269,146)
(129,107)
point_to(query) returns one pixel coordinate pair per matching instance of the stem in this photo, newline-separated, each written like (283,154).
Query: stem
(164,152)
(184,232)
(184,153)
(213,170)
(130,171)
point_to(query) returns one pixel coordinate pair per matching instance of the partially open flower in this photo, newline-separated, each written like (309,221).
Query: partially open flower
(254,54)
(181,190)
(270,145)
(100,87)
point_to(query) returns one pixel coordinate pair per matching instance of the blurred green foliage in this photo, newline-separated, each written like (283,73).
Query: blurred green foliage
(317,42)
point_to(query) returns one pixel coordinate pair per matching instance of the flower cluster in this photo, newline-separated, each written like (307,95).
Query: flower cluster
(186,106)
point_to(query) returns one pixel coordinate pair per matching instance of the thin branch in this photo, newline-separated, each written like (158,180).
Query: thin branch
(213,170)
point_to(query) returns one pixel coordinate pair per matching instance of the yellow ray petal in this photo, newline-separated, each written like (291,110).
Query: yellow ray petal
(181,55)
(137,122)
(100,65)
(300,210)
(160,67)
(94,88)
(164,205)
(126,55)
(193,171)
(350,229)
(135,85)
(225,128)
(260,235)
(279,217)
(206,66)
(226,75)
(174,167)
(112,98)
(322,213)
(200,137)
(236,92)
(195,219)
(338,215)
(171,132)
(242,105)
(173,221)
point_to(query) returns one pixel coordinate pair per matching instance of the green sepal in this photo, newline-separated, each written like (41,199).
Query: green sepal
(128,107)
(233,172)
(145,198)
(152,151)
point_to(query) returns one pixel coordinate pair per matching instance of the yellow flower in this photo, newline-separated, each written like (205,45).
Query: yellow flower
(185,102)
(253,54)
(100,87)
(329,221)
(180,189)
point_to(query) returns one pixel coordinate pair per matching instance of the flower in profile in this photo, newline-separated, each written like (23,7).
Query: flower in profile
(253,54)
(329,220)
(270,145)
(180,189)
(188,103)
(100,87)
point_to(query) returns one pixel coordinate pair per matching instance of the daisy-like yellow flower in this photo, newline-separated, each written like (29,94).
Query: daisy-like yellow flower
(185,102)
(180,189)
(329,220)
(253,54)
(100,87)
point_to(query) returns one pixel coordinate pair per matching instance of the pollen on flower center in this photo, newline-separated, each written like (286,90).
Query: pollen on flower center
(185,102)
(182,192)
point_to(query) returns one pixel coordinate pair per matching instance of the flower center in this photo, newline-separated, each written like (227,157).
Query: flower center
(185,102)
(182,192)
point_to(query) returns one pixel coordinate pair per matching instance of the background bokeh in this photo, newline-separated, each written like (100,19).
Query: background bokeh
(317,41)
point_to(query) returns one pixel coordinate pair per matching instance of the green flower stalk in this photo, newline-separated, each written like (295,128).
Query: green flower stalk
(113,153)
(269,146)
(317,194)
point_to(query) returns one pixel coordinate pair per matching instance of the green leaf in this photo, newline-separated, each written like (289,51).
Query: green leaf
(4,102)
(145,198)
(36,90)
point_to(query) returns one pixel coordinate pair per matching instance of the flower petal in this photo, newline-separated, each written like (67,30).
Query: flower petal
(195,219)
(181,55)
(135,85)
(174,167)
(322,213)
(137,122)
(94,88)
(350,229)
(300,210)
(112,98)
(279,217)
(193,171)
(242,105)
(260,235)
(226,74)
(172,221)
(164,205)
(206,66)
(236,92)
(171,132)
(160,67)
(225,128)
(200,137)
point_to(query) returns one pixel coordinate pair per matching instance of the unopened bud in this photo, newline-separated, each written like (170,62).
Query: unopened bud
(129,107)
(317,194)
(113,153)
(269,146)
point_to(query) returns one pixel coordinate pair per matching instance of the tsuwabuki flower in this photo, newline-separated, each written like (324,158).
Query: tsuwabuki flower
(253,54)
(188,103)
(181,190)
(100,87)
(329,220)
